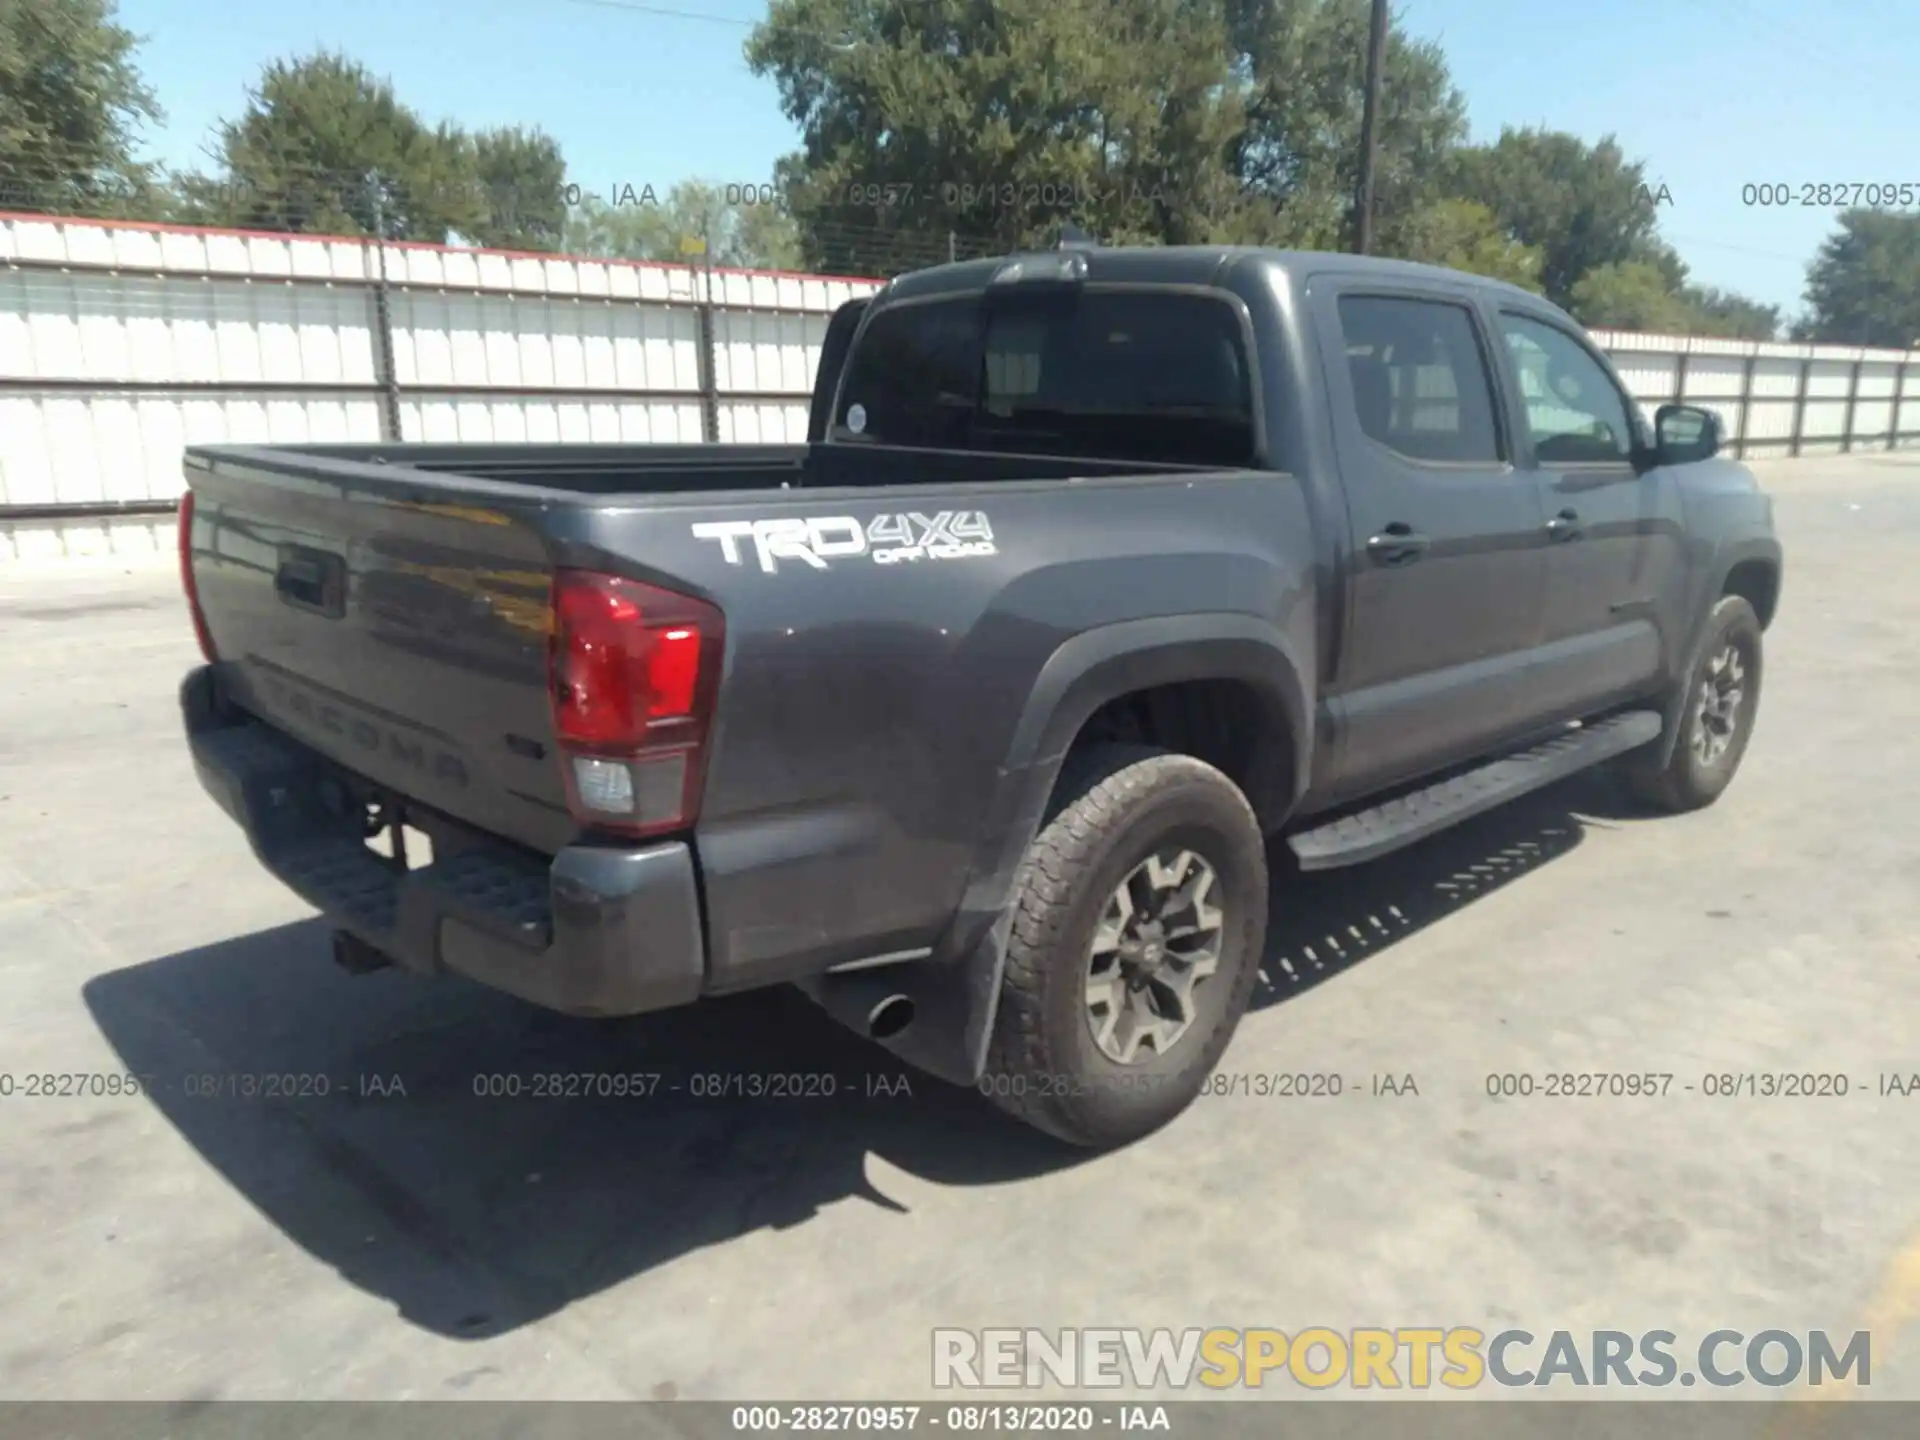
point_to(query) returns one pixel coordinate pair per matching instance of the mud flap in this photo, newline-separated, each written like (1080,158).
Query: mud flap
(954,1003)
(955,992)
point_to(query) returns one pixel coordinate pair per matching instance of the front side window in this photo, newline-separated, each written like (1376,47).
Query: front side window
(1420,382)
(1105,374)
(1574,411)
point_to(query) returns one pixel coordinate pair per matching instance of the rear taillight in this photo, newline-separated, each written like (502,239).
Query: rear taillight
(634,670)
(188,583)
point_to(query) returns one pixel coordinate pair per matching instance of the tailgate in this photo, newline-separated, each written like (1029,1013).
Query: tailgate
(397,624)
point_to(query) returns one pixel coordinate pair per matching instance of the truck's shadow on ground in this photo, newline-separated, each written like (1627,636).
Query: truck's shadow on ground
(476,1214)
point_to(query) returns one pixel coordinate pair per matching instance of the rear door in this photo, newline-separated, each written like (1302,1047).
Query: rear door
(1445,570)
(1613,523)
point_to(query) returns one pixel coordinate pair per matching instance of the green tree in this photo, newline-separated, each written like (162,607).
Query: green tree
(764,237)
(997,120)
(72,103)
(984,124)
(1863,288)
(1464,235)
(682,226)
(1584,207)
(631,231)
(1630,295)
(522,181)
(326,147)
(1301,68)
(1663,257)
(1735,317)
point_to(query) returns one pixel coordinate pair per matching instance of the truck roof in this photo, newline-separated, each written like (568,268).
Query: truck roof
(1193,265)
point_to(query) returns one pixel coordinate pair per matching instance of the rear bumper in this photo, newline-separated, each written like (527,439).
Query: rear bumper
(598,930)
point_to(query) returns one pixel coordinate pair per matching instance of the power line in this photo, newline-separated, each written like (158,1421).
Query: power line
(1844,68)
(839,40)
(666,12)
(1741,249)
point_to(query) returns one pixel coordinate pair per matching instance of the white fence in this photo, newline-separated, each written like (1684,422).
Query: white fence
(121,343)
(1779,400)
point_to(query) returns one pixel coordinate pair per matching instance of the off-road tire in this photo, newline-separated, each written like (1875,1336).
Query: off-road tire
(1689,782)
(1118,805)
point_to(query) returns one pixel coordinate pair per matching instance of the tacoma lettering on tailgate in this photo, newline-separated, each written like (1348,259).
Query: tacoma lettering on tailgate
(314,712)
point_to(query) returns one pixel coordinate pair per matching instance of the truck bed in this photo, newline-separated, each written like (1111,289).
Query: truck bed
(644,469)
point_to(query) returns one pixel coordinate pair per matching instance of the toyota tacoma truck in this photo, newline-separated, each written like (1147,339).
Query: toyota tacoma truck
(973,715)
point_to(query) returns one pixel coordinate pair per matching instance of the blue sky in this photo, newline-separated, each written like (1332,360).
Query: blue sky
(1713,94)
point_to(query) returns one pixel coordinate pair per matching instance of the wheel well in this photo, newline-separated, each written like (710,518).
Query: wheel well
(1227,723)
(1756,582)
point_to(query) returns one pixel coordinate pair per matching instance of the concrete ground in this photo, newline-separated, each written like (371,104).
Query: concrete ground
(438,1244)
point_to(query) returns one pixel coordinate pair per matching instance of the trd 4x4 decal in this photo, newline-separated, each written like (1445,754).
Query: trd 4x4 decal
(820,540)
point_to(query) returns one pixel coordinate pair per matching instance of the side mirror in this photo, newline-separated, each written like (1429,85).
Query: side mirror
(1685,434)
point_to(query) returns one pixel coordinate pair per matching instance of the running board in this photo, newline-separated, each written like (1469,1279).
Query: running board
(1386,827)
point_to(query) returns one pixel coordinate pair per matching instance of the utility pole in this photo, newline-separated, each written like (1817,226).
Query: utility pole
(709,362)
(1369,127)
(383,317)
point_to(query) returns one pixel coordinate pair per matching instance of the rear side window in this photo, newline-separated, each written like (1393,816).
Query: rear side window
(1103,374)
(1420,380)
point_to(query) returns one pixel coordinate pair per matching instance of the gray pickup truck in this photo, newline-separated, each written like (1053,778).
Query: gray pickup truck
(972,716)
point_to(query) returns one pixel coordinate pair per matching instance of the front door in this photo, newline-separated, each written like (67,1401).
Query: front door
(1446,566)
(1613,524)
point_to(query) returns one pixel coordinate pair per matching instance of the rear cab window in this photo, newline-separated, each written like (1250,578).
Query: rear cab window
(1154,376)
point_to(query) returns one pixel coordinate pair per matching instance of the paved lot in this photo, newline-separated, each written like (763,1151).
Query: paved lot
(439,1245)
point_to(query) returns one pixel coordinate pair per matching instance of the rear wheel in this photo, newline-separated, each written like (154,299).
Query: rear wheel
(1138,919)
(1723,696)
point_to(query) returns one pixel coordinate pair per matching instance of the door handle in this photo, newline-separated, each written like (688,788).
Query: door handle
(311,580)
(1565,526)
(1397,544)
